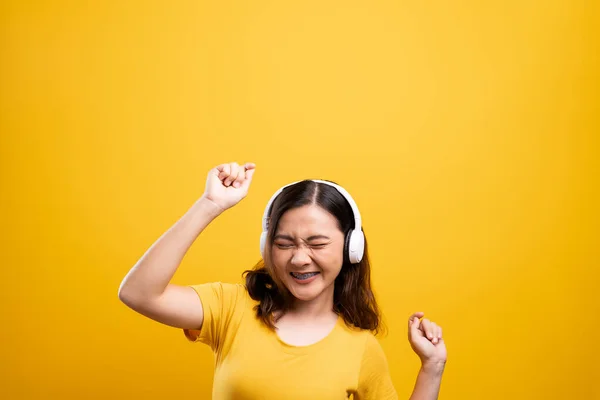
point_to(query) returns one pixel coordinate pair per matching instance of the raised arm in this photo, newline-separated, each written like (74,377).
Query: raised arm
(146,288)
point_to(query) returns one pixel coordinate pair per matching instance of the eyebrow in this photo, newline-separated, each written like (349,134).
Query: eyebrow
(287,237)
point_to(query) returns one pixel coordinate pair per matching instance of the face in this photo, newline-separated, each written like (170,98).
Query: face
(307,252)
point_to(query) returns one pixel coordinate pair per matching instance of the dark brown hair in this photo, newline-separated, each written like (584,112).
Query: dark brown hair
(353,298)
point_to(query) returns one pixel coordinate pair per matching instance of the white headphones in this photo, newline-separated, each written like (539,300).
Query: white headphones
(354,245)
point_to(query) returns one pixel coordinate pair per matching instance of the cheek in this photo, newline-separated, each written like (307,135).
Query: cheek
(331,259)
(279,258)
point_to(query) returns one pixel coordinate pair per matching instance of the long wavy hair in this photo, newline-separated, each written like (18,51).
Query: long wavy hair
(353,298)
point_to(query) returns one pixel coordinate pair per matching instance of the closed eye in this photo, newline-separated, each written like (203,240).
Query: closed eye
(287,246)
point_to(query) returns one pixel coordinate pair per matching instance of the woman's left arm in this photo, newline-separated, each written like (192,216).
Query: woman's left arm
(428,382)
(426,340)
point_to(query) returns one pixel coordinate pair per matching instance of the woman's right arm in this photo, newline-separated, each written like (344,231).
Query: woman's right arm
(146,288)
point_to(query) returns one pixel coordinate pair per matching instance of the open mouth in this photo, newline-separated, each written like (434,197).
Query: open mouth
(303,277)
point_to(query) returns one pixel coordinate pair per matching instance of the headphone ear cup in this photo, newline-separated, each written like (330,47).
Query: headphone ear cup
(356,246)
(263,242)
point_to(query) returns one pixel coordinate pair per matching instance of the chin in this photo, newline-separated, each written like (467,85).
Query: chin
(305,292)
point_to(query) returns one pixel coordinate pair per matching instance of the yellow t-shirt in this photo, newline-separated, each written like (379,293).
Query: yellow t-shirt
(252,362)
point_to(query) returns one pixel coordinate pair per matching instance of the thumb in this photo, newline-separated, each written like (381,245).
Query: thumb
(250,168)
(414,322)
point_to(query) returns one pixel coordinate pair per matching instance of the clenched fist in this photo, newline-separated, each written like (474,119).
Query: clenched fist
(426,339)
(227,184)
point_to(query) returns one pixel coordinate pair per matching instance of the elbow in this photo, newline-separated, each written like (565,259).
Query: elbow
(125,295)
(133,298)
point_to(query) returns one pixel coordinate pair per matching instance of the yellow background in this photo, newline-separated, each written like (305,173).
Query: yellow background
(466,131)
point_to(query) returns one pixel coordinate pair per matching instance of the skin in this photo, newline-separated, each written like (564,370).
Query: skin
(308,240)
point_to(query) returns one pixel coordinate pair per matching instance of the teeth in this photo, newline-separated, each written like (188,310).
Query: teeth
(303,276)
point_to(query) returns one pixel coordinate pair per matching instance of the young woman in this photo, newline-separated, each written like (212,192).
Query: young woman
(303,325)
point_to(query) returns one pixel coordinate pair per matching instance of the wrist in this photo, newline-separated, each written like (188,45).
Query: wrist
(433,367)
(209,207)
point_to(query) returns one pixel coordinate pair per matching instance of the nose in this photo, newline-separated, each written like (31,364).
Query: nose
(300,257)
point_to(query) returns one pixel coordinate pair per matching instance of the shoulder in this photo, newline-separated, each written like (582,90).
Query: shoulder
(224,305)
(359,334)
(367,344)
(373,363)
(221,299)
(374,359)
(363,340)
(222,291)
(373,346)
(220,287)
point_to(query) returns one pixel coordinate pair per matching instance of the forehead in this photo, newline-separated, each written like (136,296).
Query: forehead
(307,219)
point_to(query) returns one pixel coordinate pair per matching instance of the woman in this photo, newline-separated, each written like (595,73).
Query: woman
(303,325)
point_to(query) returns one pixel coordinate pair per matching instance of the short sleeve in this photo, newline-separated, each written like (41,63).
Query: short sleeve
(221,304)
(374,381)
